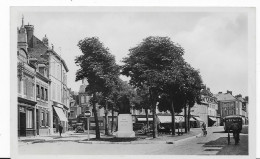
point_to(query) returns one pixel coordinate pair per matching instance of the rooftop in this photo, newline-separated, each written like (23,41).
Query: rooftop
(224,97)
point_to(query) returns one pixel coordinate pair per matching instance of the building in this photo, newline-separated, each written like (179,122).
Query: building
(243,104)
(26,72)
(230,105)
(75,109)
(206,111)
(52,92)
(42,98)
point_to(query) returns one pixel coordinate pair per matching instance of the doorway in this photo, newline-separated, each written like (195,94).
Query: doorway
(22,124)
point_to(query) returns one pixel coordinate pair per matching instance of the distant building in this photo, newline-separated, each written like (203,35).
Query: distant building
(230,105)
(206,111)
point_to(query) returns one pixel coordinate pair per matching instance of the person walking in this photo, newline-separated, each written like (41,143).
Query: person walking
(204,130)
(60,128)
(236,131)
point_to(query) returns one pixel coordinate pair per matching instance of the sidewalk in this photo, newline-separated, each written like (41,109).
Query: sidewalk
(83,138)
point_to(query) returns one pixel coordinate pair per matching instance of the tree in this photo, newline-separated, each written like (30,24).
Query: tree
(98,65)
(148,63)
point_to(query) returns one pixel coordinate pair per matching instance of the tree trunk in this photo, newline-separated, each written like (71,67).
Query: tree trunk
(153,101)
(173,118)
(185,119)
(106,120)
(147,121)
(155,132)
(96,117)
(112,124)
(188,118)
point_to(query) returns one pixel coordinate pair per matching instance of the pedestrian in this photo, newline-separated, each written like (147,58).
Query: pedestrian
(236,131)
(204,130)
(60,128)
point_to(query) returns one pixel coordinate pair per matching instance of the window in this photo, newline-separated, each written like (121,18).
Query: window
(41,70)
(53,91)
(37,91)
(82,99)
(46,94)
(42,119)
(29,119)
(47,119)
(19,86)
(58,93)
(25,86)
(42,93)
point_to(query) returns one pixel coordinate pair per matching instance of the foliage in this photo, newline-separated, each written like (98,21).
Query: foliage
(98,65)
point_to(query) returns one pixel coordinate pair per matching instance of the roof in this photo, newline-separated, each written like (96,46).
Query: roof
(39,48)
(224,97)
(241,99)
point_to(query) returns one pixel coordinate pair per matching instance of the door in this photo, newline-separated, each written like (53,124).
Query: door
(37,121)
(22,124)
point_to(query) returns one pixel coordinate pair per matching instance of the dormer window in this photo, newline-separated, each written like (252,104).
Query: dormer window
(42,69)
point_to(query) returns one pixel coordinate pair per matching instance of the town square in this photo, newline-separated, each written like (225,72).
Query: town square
(132,82)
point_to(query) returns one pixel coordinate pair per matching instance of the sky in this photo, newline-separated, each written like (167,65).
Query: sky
(215,43)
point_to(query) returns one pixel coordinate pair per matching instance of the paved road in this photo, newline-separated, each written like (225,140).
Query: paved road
(212,144)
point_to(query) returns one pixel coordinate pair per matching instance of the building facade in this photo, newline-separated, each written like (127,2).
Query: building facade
(26,72)
(50,81)
(230,105)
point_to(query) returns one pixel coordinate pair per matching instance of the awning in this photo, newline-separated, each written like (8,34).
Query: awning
(165,119)
(197,118)
(168,119)
(60,114)
(144,119)
(192,119)
(213,119)
(179,119)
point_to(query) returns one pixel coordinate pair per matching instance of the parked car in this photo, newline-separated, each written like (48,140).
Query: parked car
(79,127)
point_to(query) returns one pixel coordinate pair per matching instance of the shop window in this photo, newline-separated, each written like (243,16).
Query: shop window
(29,119)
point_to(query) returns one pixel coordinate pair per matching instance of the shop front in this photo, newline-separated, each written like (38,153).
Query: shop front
(26,117)
(59,117)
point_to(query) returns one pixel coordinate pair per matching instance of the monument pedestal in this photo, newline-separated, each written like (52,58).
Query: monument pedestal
(125,126)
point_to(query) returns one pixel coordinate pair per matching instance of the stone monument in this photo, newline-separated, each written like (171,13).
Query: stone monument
(124,119)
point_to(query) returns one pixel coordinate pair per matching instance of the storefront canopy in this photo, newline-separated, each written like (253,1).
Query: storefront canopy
(179,119)
(197,118)
(192,119)
(60,114)
(144,119)
(165,119)
(213,119)
(168,119)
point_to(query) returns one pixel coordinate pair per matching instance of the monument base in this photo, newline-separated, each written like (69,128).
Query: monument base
(125,126)
(125,134)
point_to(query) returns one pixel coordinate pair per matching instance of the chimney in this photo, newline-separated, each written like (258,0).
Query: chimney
(230,92)
(29,30)
(246,98)
(45,41)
